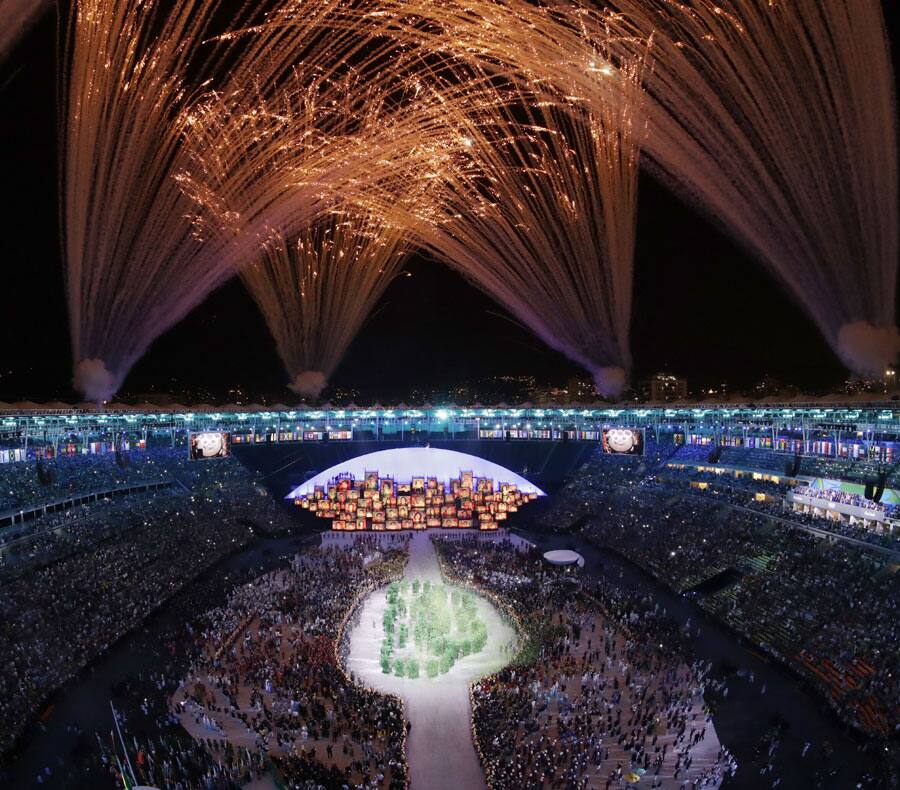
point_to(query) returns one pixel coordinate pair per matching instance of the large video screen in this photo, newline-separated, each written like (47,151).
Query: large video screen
(623,441)
(209,444)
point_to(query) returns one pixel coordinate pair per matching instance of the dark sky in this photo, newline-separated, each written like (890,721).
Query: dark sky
(702,308)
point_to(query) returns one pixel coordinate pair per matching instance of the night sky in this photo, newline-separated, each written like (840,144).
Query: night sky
(702,308)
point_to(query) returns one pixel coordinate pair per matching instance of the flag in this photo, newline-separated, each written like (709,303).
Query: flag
(126,782)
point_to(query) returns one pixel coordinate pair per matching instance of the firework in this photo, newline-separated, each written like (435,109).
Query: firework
(145,184)
(316,290)
(779,119)
(540,213)
(133,265)
(543,220)
(331,175)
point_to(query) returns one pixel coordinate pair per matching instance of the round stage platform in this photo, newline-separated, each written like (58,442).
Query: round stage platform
(564,557)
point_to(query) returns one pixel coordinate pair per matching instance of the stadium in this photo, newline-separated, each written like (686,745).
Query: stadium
(755,522)
(459,395)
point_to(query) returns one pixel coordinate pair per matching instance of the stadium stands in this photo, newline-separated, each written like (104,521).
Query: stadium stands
(825,608)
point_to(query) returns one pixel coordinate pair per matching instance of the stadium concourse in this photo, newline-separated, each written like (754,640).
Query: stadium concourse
(732,619)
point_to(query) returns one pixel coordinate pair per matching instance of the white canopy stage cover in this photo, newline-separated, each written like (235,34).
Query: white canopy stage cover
(404,463)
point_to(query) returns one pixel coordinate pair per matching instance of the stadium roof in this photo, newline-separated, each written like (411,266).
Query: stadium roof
(35,419)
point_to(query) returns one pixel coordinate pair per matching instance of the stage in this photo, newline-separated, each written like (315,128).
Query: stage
(438,708)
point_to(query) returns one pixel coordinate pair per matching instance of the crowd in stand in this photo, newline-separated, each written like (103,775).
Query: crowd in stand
(592,701)
(828,609)
(75,528)
(744,492)
(755,458)
(766,460)
(75,475)
(836,495)
(78,580)
(156,742)
(889,539)
(66,531)
(858,470)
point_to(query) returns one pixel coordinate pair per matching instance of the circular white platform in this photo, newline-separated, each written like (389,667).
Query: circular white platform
(564,557)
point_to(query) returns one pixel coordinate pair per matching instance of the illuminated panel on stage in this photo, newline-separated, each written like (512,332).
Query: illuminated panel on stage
(403,464)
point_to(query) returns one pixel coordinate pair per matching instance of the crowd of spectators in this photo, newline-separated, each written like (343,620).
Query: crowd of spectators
(172,763)
(269,678)
(78,580)
(71,476)
(741,485)
(174,479)
(756,458)
(838,528)
(857,470)
(768,497)
(836,495)
(853,469)
(589,700)
(592,700)
(825,607)
(157,659)
(829,612)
